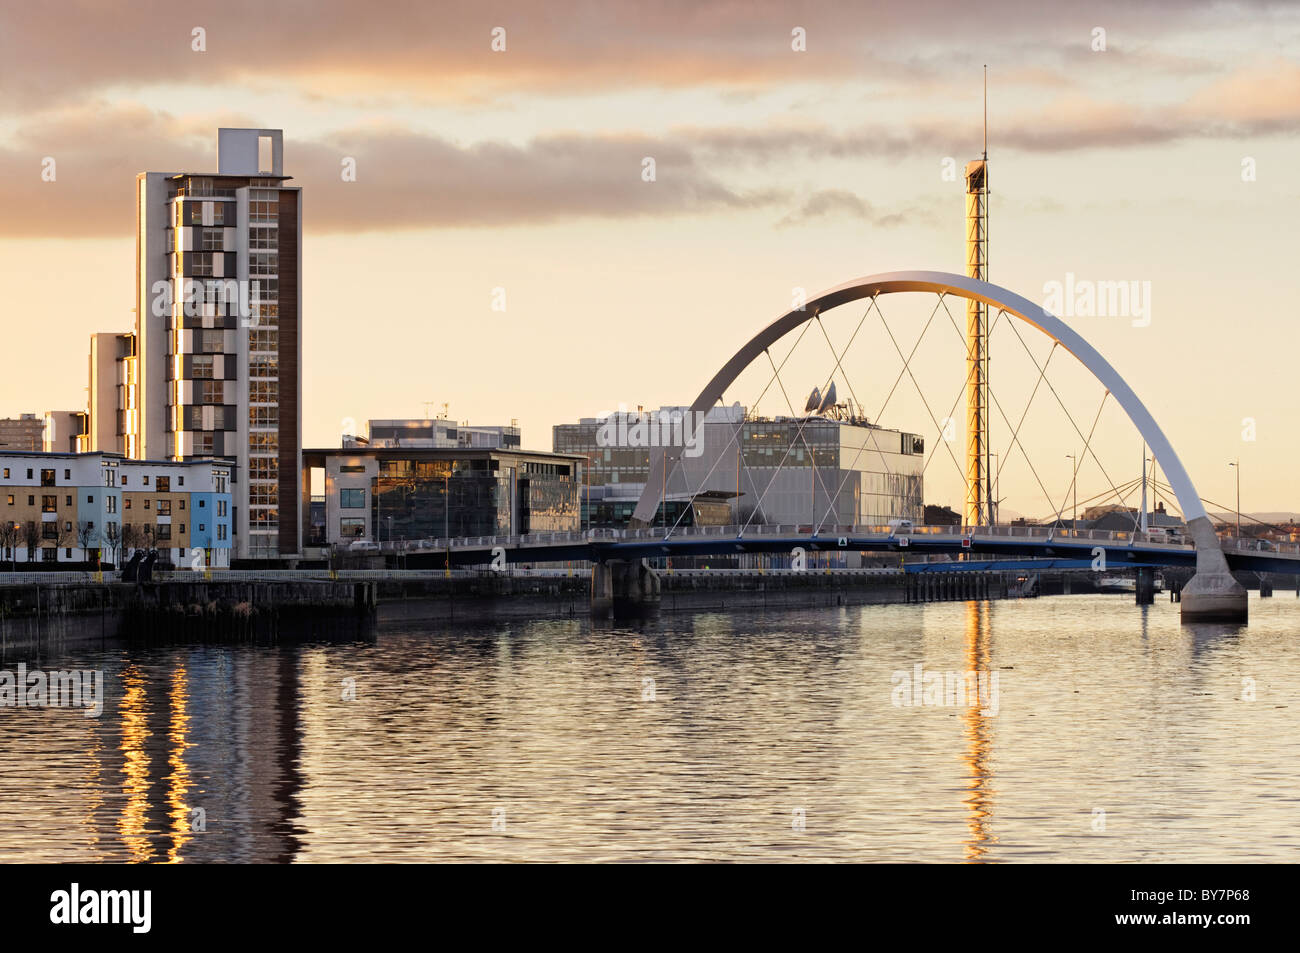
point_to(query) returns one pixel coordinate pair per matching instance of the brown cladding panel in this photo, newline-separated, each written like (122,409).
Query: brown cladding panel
(287,502)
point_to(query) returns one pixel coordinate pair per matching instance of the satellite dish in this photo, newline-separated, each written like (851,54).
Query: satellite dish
(814,401)
(828,401)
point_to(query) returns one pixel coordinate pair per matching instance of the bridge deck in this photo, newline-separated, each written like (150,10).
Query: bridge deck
(1121,548)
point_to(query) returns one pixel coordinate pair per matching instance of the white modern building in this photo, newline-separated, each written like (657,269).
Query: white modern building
(810,470)
(218,343)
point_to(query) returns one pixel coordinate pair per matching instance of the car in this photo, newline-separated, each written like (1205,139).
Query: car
(362,546)
(899,526)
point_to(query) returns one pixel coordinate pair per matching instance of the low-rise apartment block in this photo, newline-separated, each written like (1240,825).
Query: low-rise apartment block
(102,507)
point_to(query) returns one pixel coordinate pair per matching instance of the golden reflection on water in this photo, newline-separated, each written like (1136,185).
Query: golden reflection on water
(178,782)
(133,824)
(979,739)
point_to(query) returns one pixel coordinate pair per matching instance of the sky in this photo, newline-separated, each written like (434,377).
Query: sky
(795,146)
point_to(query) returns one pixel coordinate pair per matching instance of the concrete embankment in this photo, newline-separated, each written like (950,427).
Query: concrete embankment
(497,596)
(54,614)
(505,596)
(216,610)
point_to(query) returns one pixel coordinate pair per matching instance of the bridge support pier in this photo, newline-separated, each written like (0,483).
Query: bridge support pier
(624,588)
(1265,585)
(1212,595)
(1146,586)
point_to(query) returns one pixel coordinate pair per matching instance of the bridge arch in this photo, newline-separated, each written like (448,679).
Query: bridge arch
(939,282)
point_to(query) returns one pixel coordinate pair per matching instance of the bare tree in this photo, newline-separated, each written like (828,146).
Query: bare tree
(130,539)
(113,538)
(65,537)
(9,536)
(32,539)
(87,536)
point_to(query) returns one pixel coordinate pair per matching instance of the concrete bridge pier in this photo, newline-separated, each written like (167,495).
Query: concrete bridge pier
(1212,595)
(1146,586)
(1265,585)
(625,588)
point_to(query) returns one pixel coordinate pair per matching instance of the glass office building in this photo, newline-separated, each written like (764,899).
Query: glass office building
(382,494)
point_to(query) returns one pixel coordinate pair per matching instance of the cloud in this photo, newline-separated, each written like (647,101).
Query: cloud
(403,179)
(61,51)
(840,203)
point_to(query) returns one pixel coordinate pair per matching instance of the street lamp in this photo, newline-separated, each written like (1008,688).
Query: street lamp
(993,495)
(1237,465)
(1074,483)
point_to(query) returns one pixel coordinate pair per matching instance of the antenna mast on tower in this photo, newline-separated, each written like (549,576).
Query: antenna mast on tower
(979,497)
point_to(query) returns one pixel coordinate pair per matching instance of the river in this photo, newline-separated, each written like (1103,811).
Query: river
(1106,733)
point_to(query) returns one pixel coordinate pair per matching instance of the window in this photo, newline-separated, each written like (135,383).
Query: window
(201,527)
(164,508)
(262,238)
(29,473)
(6,473)
(263,211)
(200,263)
(182,528)
(67,552)
(67,526)
(202,503)
(110,504)
(262,263)
(162,484)
(221,507)
(180,481)
(210,341)
(128,503)
(11,499)
(214,238)
(212,392)
(221,531)
(49,531)
(202,366)
(50,555)
(163,531)
(49,504)
(47,477)
(145,480)
(89,525)
(67,474)
(69,500)
(263,367)
(352,499)
(146,503)
(219,213)
(260,339)
(352,527)
(124,479)
(90,499)
(31,500)
(262,416)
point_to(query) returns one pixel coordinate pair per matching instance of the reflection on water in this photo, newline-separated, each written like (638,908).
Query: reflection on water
(686,738)
(979,730)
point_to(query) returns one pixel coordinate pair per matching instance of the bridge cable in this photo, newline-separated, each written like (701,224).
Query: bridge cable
(734,440)
(1066,410)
